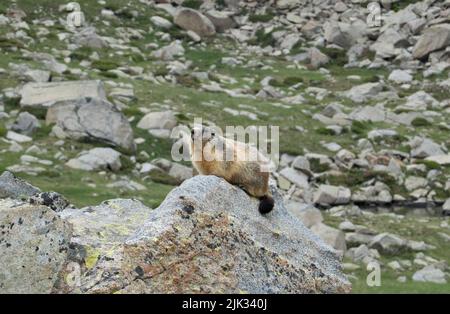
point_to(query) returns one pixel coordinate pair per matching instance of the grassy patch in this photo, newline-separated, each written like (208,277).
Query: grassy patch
(193,4)
(262,38)
(420,122)
(261,18)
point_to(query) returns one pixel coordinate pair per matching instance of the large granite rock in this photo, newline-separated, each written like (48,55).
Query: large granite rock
(46,94)
(207,236)
(192,20)
(12,187)
(34,245)
(434,38)
(94,120)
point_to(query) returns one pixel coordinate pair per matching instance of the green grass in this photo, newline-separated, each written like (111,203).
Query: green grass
(193,4)
(420,122)
(262,18)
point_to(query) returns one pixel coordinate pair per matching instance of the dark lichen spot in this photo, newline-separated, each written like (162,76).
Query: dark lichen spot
(188,209)
(139,271)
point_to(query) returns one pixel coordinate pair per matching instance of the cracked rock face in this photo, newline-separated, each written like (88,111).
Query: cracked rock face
(93,119)
(33,245)
(206,237)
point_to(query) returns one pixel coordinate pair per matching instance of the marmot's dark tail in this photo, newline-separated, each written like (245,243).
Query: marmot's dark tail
(266,204)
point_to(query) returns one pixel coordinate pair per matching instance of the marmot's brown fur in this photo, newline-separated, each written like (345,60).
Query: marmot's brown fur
(244,169)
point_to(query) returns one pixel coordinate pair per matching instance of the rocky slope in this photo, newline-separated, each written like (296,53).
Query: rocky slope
(363,111)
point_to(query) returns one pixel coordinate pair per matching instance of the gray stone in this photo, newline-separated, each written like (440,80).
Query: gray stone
(423,147)
(413,183)
(161,22)
(192,20)
(446,205)
(317,58)
(388,243)
(46,94)
(180,172)
(12,187)
(332,195)
(334,237)
(34,244)
(19,138)
(368,113)
(169,52)
(296,177)
(302,163)
(440,159)
(364,92)
(95,120)
(362,254)
(400,77)
(97,159)
(25,123)
(88,37)
(158,120)
(434,38)
(222,20)
(307,214)
(355,238)
(430,274)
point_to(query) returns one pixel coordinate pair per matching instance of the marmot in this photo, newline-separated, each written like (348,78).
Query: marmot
(209,152)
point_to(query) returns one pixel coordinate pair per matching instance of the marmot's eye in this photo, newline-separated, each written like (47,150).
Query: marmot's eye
(213,134)
(192,132)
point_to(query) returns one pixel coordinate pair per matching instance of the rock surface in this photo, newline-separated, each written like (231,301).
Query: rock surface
(12,187)
(207,236)
(34,244)
(192,20)
(93,119)
(46,94)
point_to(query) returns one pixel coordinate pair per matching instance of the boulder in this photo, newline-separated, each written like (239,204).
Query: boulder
(222,20)
(12,187)
(46,94)
(169,52)
(25,123)
(295,177)
(93,119)
(180,172)
(19,138)
(424,147)
(206,237)
(400,77)
(161,22)
(97,159)
(434,38)
(307,214)
(430,273)
(333,237)
(192,20)
(388,243)
(34,242)
(88,37)
(317,58)
(158,120)
(364,92)
(332,195)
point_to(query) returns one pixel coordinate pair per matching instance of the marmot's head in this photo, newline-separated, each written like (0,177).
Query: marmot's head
(202,135)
